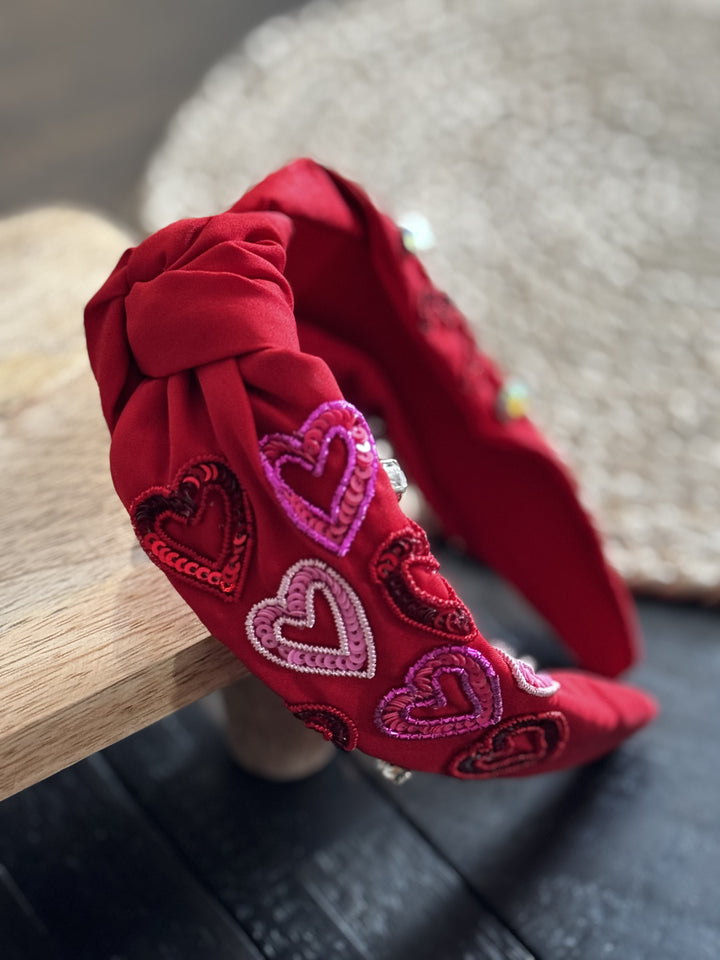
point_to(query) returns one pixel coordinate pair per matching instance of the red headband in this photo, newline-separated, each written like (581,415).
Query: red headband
(233,355)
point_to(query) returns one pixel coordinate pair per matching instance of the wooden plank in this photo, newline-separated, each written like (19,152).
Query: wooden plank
(620,859)
(99,881)
(94,643)
(323,868)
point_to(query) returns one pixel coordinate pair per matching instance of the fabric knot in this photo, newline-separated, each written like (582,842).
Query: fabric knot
(196,292)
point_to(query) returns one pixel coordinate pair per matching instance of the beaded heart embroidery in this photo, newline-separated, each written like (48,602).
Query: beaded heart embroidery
(393,567)
(448,331)
(332,723)
(536,684)
(294,606)
(512,746)
(396,714)
(308,448)
(199,490)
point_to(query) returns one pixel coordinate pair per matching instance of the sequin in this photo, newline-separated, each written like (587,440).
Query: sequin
(331,722)
(308,448)
(512,400)
(512,747)
(200,484)
(536,684)
(441,612)
(396,714)
(294,605)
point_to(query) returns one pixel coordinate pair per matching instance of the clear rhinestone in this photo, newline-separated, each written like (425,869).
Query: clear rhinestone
(393,773)
(397,477)
(417,234)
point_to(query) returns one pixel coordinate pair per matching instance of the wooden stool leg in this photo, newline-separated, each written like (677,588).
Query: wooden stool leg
(266,739)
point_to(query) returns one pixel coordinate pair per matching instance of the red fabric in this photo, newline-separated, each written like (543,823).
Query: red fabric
(216,333)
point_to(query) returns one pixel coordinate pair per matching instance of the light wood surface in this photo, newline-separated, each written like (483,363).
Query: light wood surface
(94,643)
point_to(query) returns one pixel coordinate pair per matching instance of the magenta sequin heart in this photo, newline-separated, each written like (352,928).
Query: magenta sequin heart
(335,528)
(294,606)
(396,713)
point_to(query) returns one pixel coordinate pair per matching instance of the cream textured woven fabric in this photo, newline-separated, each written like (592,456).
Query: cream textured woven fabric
(566,154)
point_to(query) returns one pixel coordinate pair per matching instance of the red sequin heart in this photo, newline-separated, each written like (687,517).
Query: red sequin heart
(511,746)
(332,723)
(399,561)
(201,529)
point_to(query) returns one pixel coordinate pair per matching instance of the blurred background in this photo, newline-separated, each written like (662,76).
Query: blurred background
(88,89)
(565,155)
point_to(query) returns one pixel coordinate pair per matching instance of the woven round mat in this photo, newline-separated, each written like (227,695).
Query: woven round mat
(566,155)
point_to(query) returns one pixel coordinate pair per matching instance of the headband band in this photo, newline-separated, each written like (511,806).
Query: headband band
(234,355)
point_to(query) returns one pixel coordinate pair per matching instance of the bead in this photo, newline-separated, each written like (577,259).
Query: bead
(512,401)
(185,504)
(309,448)
(393,773)
(417,233)
(396,475)
(512,746)
(432,606)
(294,605)
(423,688)
(332,723)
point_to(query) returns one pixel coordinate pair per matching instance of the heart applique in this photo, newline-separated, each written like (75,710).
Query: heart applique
(393,567)
(512,746)
(308,448)
(536,684)
(205,505)
(447,330)
(397,713)
(294,606)
(332,723)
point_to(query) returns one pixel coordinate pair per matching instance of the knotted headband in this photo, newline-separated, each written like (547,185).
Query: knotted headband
(238,357)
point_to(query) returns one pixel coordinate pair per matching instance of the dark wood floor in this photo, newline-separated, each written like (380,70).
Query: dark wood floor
(161,848)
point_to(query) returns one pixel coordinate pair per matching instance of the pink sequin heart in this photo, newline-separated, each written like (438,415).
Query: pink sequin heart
(308,448)
(396,714)
(536,684)
(294,606)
